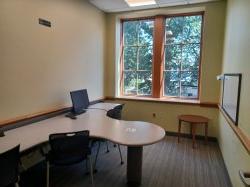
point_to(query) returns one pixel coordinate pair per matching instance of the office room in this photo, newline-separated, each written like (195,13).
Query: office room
(150,93)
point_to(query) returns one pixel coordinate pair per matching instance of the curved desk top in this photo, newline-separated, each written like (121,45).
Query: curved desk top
(129,133)
(103,106)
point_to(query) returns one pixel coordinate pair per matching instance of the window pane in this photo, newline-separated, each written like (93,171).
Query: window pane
(144,83)
(130,31)
(182,54)
(189,84)
(130,83)
(174,27)
(172,57)
(145,58)
(130,58)
(137,57)
(192,29)
(172,83)
(146,32)
(191,57)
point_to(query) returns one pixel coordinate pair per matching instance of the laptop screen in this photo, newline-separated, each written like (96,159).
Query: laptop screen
(80,100)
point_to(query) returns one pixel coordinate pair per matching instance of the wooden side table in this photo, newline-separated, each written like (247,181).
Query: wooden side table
(193,120)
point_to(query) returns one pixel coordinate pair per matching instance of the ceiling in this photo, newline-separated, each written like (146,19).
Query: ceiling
(121,5)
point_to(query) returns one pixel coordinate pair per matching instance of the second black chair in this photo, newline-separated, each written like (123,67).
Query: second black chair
(9,162)
(67,149)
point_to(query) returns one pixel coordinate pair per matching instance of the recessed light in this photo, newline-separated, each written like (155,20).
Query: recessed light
(134,3)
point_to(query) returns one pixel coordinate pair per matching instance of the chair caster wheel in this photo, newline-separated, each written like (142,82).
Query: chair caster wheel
(107,151)
(122,162)
(115,145)
(95,170)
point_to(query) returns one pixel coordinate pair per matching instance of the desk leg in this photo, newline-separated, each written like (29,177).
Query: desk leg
(134,165)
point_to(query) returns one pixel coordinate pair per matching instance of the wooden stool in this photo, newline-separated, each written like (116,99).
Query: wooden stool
(193,120)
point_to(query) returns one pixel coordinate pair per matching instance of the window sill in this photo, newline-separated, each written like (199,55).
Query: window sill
(165,100)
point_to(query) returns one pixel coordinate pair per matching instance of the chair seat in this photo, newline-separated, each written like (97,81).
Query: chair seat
(66,161)
(59,160)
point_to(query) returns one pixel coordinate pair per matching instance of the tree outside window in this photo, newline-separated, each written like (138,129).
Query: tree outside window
(137,58)
(182,46)
(182,56)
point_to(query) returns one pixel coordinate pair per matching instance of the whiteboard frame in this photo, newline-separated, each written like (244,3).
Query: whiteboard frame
(239,75)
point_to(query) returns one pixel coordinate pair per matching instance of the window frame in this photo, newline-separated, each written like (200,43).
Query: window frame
(122,57)
(158,58)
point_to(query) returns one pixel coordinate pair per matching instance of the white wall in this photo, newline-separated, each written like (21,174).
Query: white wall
(236,60)
(40,65)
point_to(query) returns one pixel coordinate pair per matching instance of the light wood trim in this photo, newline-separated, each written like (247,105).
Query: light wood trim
(40,113)
(184,14)
(158,56)
(138,18)
(209,104)
(201,53)
(121,59)
(32,115)
(176,101)
(245,140)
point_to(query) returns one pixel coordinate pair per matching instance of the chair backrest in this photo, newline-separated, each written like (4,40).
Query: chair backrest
(9,162)
(70,147)
(116,112)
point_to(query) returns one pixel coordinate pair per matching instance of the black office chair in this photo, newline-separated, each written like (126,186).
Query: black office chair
(9,162)
(68,149)
(114,113)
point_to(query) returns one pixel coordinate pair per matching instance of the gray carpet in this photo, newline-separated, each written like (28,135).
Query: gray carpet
(165,164)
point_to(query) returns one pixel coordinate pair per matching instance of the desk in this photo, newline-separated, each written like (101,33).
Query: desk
(134,134)
(103,106)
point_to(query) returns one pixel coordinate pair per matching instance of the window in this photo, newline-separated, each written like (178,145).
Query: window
(182,56)
(161,56)
(137,58)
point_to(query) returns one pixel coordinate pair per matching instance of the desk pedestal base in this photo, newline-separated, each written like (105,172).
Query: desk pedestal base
(134,166)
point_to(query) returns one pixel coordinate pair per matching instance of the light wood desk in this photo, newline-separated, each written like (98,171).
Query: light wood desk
(103,106)
(134,134)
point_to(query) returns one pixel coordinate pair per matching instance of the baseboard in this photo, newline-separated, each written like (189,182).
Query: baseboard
(185,135)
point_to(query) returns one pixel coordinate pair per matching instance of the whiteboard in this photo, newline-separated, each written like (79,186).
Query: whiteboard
(231,96)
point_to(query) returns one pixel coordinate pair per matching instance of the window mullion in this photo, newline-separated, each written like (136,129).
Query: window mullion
(181,69)
(158,57)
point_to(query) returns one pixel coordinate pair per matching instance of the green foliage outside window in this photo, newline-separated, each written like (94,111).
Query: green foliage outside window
(138,51)
(182,56)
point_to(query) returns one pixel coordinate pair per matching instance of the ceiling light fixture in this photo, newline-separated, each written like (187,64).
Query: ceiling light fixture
(134,3)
